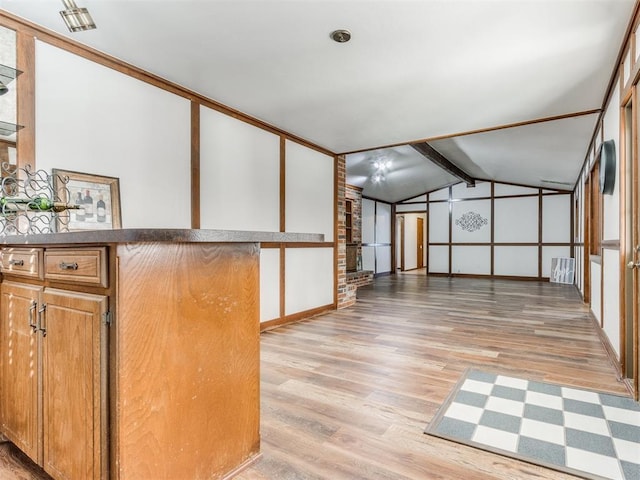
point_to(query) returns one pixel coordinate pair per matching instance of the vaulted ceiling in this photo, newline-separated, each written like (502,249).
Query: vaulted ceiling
(508,90)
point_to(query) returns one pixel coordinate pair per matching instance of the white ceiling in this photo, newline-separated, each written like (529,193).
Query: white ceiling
(413,70)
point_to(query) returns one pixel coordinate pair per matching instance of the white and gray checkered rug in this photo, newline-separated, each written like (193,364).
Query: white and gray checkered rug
(581,432)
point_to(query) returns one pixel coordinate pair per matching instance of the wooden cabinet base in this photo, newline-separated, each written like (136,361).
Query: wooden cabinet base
(186,363)
(153,369)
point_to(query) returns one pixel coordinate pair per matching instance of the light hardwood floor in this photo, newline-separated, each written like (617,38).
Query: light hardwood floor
(347,395)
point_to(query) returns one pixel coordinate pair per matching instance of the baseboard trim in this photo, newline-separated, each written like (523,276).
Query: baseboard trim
(243,466)
(611,353)
(295,317)
(490,277)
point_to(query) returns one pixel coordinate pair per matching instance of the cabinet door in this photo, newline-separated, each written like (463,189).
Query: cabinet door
(19,344)
(72,384)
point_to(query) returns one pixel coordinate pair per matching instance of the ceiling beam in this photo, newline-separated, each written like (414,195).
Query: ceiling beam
(443,162)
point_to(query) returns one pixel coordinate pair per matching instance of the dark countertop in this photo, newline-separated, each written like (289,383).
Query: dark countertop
(135,235)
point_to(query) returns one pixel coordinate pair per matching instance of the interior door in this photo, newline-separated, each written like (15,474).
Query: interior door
(420,242)
(400,242)
(631,332)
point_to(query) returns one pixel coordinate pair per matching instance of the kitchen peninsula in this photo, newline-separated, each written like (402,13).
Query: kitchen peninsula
(133,354)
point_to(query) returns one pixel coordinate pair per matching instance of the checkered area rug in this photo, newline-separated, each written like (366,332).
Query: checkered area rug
(581,432)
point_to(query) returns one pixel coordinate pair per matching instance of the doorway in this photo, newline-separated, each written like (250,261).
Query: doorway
(400,242)
(410,241)
(630,246)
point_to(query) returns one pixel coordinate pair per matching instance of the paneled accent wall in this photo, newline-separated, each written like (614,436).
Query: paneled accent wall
(309,203)
(601,280)
(376,236)
(497,230)
(184,161)
(93,119)
(243,194)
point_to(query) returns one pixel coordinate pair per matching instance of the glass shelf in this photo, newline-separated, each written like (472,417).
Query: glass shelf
(8,74)
(7,128)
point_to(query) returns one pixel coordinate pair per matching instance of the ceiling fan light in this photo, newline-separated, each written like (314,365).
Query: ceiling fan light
(76,19)
(377,178)
(382,165)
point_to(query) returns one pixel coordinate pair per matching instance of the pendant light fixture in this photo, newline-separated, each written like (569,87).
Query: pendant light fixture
(77,19)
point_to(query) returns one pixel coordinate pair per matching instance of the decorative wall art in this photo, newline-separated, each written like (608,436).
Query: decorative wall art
(471,221)
(98,196)
(562,270)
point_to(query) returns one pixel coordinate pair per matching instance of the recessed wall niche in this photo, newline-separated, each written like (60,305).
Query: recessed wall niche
(8,100)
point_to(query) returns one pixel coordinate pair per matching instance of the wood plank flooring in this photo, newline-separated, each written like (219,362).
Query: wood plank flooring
(348,394)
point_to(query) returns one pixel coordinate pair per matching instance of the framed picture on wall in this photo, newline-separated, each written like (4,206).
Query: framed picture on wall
(97,196)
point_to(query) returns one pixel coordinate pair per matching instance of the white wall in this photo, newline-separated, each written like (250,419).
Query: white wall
(507,224)
(308,279)
(516,220)
(309,208)
(269,284)
(368,221)
(411,207)
(438,218)
(611,203)
(92,119)
(239,174)
(611,303)
(96,120)
(556,224)
(376,236)
(309,191)
(596,291)
(471,259)
(605,278)
(464,214)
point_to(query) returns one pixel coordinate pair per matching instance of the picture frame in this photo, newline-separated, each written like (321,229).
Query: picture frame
(562,270)
(99,196)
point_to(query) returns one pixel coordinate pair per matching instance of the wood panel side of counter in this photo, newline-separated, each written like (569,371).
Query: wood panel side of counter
(185,360)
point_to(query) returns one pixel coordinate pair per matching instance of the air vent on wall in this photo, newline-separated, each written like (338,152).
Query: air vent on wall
(556,182)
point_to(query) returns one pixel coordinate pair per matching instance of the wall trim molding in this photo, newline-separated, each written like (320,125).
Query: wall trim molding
(295,317)
(38,32)
(484,130)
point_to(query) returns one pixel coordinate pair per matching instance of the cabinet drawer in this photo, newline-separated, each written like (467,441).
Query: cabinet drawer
(26,262)
(81,265)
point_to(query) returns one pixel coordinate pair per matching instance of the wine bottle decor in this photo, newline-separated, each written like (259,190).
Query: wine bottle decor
(29,204)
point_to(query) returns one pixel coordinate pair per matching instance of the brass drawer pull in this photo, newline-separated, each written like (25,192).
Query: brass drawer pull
(17,263)
(68,266)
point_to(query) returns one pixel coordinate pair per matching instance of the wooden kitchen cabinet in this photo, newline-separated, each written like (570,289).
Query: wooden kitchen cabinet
(72,383)
(145,364)
(53,372)
(20,367)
